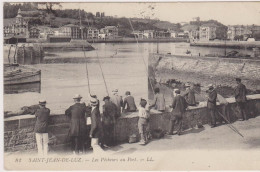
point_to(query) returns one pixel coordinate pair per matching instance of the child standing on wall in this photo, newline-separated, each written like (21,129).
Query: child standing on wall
(143,122)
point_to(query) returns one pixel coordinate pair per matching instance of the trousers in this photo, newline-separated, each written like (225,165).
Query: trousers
(96,147)
(143,129)
(77,143)
(176,119)
(242,109)
(42,143)
(108,137)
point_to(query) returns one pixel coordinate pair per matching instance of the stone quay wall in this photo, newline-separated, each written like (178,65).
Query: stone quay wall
(19,135)
(204,70)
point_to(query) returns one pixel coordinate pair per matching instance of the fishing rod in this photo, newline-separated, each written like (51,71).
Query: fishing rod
(223,116)
(86,69)
(142,57)
(99,66)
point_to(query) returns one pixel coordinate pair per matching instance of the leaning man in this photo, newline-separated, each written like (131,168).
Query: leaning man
(41,128)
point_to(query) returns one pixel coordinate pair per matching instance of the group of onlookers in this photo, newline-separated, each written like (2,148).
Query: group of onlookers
(100,133)
(97,135)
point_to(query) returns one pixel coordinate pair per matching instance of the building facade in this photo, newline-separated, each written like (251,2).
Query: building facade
(138,34)
(111,32)
(238,32)
(92,33)
(207,32)
(148,34)
(34,32)
(19,27)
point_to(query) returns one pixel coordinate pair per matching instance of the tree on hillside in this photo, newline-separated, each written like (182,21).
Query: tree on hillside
(49,6)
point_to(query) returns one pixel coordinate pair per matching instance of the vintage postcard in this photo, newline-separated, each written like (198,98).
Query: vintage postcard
(131,85)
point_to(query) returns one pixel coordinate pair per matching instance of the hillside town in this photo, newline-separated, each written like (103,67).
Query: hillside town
(20,29)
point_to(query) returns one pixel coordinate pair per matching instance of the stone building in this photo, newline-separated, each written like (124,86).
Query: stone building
(207,32)
(110,31)
(92,33)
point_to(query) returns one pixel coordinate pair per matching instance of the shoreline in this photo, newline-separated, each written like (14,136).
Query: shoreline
(227,44)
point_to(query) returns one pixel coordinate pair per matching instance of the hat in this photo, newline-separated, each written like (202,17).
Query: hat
(156,90)
(106,98)
(143,102)
(238,79)
(187,85)
(177,91)
(77,96)
(115,91)
(210,86)
(127,93)
(93,101)
(93,96)
(42,102)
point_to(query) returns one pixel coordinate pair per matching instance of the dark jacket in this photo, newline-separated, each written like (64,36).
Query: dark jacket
(96,124)
(240,93)
(42,118)
(158,102)
(179,105)
(190,97)
(109,113)
(77,113)
(118,101)
(130,103)
(212,99)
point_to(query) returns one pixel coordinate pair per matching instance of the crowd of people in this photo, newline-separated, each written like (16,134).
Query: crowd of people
(100,133)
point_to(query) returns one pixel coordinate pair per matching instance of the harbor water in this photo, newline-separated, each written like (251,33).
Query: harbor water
(124,66)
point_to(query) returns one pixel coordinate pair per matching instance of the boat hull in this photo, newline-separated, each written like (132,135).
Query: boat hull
(21,79)
(25,78)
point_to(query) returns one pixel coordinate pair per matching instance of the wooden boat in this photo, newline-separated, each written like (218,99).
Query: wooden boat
(15,74)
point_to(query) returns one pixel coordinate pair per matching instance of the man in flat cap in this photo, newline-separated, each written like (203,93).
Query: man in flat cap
(41,128)
(108,121)
(211,104)
(129,103)
(240,96)
(158,101)
(118,101)
(179,106)
(77,132)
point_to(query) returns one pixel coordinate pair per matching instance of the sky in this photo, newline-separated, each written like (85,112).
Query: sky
(228,13)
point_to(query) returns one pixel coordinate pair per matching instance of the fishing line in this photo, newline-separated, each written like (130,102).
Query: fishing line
(142,57)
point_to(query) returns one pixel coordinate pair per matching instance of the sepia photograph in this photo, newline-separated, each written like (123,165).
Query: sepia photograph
(131,85)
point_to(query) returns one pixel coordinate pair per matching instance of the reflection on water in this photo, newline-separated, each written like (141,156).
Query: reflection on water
(122,65)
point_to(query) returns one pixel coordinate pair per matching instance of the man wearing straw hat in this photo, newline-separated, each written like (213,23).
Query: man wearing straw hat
(42,116)
(76,114)
(118,101)
(96,132)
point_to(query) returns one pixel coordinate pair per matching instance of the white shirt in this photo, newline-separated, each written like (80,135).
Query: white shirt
(143,113)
